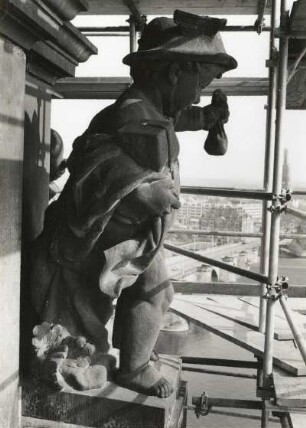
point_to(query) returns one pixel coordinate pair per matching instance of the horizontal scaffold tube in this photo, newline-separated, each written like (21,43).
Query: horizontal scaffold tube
(234,234)
(234,269)
(228,193)
(296,213)
(221,362)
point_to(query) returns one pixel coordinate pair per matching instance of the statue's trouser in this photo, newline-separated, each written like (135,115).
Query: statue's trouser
(139,314)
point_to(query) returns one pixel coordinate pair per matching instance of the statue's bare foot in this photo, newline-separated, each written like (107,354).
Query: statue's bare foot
(147,381)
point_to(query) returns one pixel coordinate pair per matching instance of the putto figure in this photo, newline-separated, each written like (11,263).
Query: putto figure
(103,237)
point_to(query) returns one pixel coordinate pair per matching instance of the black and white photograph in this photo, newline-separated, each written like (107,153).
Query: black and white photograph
(153,213)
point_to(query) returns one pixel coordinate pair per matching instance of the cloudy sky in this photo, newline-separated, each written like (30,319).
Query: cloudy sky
(242,166)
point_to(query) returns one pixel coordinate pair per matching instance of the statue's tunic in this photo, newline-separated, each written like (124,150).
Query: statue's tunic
(96,242)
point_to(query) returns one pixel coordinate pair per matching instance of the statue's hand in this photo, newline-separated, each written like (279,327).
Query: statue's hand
(157,198)
(217,111)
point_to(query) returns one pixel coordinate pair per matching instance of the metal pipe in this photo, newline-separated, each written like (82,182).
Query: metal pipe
(268,168)
(275,221)
(109,29)
(234,403)
(296,213)
(265,416)
(232,234)
(299,193)
(227,193)
(110,34)
(259,24)
(216,233)
(243,272)
(133,46)
(233,193)
(125,29)
(218,372)
(222,362)
(297,334)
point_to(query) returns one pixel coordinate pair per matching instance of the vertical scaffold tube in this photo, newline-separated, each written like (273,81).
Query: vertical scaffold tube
(270,135)
(277,183)
(133,45)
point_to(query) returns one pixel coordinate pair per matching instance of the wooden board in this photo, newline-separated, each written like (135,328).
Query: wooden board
(162,7)
(300,319)
(112,87)
(241,312)
(286,356)
(290,391)
(297,305)
(297,420)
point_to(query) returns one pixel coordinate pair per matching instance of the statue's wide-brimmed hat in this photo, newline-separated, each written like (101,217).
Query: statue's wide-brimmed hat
(163,39)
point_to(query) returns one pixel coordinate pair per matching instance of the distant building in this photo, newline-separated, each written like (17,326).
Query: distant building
(227,217)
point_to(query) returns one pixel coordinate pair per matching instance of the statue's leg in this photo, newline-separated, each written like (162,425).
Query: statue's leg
(148,299)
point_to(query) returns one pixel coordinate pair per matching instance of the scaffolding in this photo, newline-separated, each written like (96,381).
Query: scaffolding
(274,199)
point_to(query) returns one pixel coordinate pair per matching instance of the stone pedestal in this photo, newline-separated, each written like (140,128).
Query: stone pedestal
(112,406)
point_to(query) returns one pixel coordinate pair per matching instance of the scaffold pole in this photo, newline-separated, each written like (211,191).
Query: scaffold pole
(276,204)
(268,168)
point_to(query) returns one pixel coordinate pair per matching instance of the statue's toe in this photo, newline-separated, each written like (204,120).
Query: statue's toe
(147,381)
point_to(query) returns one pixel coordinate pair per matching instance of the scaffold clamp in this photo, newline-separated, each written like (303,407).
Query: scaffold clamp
(275,291)
(259,25)
(200,405)
(273,61)
(283,199)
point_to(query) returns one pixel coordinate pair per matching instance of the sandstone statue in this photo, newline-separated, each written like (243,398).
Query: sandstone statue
(103,237)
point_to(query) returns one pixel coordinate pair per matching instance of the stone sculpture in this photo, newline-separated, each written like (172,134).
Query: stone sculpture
(103,237)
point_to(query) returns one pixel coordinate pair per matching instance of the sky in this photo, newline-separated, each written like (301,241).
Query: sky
(243,164)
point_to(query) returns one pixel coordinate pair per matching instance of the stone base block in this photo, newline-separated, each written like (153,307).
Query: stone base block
(111,407)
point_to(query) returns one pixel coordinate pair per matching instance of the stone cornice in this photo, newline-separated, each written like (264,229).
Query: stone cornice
(67,9)
(33,23)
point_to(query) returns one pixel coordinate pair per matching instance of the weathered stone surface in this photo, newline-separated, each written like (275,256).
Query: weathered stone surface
(67,9)
(29,23)
(12,63)
(111,406)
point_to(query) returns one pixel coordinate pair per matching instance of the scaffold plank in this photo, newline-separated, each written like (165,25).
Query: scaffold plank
(241,312)
(297,420)
(286,356)
(112,87)
(161,7)
(300,319)
(290,391)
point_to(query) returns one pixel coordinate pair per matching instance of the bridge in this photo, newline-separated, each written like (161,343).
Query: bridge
(240,254)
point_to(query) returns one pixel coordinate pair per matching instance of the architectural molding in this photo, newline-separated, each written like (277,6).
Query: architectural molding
(45,36)
(67,9)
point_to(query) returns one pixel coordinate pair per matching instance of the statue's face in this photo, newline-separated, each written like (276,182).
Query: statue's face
(208,72)
(187,89)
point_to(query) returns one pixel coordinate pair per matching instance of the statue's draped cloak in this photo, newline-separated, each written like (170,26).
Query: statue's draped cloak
(93,245)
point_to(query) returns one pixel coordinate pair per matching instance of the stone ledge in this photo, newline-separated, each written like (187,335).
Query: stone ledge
(32,24)
(68,9)
(111,405)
